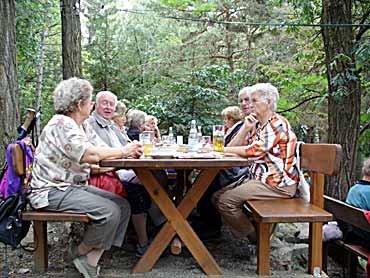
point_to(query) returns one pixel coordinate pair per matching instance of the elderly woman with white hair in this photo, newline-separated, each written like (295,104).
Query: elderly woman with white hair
(61,171)
(136,123)
(271,150)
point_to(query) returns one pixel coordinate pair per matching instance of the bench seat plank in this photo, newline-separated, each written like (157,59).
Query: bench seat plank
(40,219)
(287,210)
(50,216)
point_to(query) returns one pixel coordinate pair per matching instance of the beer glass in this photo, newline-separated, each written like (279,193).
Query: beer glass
(218,138)
(147,138)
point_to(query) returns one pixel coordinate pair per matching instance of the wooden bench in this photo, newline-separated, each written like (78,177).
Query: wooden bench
(40,218)
(319,160)
(355,217)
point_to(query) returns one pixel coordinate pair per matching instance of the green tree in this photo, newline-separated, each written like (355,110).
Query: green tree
(8,77)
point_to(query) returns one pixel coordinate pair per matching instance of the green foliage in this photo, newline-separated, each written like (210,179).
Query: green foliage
(179,70)
(33,17)
(201,96)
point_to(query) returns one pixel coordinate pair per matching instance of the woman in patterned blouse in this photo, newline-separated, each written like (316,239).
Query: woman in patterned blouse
(270,148)
(61,171)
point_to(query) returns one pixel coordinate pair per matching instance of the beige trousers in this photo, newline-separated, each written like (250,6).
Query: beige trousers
(229,202)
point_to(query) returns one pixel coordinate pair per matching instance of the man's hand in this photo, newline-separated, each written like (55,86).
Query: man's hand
(132,150)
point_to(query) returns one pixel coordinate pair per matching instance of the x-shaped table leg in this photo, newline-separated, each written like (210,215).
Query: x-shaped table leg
(177,222)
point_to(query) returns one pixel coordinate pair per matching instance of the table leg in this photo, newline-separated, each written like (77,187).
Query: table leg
(177,222)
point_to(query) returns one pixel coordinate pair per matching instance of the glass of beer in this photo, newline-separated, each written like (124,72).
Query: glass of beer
(147,138)
(218,138)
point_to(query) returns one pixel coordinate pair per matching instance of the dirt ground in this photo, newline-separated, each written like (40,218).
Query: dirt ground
(237,258)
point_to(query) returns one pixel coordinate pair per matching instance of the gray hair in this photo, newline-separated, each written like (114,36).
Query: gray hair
(232,112)
(244,90)
(366,168)
(120,109)
(135,118)
(102,93)
(267,92)
(69,92)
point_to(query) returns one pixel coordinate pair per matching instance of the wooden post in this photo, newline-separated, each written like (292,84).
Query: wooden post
(40,256)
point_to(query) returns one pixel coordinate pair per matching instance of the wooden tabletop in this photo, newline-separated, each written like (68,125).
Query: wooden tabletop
(174,163)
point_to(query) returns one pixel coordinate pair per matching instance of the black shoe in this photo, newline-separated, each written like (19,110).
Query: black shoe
(206,232)
(209,234)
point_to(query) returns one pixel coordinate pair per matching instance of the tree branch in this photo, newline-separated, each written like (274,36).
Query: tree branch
(363,29)
(366,126)
(299,104)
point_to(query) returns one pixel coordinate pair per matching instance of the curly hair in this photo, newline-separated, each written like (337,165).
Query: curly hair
(69,92)
(232,112)
(149,118)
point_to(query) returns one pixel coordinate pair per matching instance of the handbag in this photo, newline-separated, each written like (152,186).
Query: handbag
(12,228)
(108,181)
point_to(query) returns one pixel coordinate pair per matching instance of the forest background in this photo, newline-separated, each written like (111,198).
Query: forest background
(187,59)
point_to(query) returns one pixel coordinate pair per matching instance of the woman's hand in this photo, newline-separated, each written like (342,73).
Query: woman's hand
(132,150)
(250,121)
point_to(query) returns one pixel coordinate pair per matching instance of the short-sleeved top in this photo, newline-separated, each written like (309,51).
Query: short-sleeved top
(272,150)
(359,195)
(57,161)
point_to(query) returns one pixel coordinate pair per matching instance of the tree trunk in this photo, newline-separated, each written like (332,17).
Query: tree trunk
(228,40)
(71,38)
(8,76)
(344,95)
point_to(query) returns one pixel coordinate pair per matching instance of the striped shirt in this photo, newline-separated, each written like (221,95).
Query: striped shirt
(272,150)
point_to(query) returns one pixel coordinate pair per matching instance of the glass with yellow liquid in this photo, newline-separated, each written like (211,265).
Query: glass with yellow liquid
(218,138)
(147,138)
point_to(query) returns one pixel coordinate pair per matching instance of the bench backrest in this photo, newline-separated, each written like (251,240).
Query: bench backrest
(346,213)
(320,160)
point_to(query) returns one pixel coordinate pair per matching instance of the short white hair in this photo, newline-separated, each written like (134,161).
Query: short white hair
(267,91)
(246,90)
(106,93)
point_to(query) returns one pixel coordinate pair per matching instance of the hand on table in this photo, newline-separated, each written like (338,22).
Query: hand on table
(133,150)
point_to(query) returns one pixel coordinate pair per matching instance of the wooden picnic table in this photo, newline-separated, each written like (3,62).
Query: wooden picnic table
(176,217)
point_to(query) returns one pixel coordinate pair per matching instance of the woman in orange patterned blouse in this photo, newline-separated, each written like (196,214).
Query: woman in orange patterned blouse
(271,150)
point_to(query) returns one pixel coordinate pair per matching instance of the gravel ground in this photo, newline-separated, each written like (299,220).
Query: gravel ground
(236,258)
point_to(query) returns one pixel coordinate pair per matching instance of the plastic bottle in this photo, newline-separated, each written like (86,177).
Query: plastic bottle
(193,137)
(171,138)
(316,272)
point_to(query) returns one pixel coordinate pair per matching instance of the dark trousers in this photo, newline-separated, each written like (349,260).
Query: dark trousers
(208,213)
